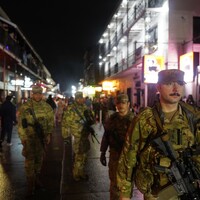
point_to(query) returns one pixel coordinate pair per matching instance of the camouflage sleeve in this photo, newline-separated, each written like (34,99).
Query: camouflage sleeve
(104,143)
(135,137)
(127,163)
(50,119)
(21,131)
(65,125)
(197,136)
(64,128)
(197,139)
(105,138)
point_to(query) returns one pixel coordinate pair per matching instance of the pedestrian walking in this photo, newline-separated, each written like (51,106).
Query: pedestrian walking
(103,109)
(8,119)
(59,111)
(51,102)
(74,124)
(35,126)
(96,108)
(53,105)
(190,100)
(156,151)
(114,136)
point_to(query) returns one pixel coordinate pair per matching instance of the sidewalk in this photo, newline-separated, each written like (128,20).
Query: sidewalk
(12,170)
(96,188)
(12,174)
(56,173)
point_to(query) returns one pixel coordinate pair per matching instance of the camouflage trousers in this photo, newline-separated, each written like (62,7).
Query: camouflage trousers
(79,164)
(113,162)
(34,154)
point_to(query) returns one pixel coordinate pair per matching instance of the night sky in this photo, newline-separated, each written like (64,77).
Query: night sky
(61,31)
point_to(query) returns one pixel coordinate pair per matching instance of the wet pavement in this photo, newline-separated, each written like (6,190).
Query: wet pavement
(96,188)
(12,175)
(56,173)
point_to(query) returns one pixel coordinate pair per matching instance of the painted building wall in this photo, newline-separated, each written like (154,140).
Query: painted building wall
(175,38)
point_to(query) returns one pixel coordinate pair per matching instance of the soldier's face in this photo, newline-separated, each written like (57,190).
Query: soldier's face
(123,108)
(171,93)
(37,97)
(80,100)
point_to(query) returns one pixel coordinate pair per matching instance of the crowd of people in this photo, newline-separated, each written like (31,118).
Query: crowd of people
(154,149)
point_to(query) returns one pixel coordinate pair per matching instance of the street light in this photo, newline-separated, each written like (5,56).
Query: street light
(73,90)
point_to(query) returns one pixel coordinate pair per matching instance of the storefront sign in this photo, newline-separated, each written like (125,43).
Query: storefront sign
(187,65)
(151,66)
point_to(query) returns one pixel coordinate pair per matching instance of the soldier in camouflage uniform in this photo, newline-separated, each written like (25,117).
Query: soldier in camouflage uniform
(33,145)
(73,125)
(114,136)
(178,120)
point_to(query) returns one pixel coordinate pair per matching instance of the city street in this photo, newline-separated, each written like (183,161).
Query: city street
(57,176)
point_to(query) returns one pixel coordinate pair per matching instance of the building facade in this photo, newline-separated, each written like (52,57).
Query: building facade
(146,36)
(20,65)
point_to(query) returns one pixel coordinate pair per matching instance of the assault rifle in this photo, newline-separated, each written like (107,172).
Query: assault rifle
(183,172)
(40,132)
(87,121)
(36,126)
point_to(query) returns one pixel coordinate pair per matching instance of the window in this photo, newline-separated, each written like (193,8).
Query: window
(196,29)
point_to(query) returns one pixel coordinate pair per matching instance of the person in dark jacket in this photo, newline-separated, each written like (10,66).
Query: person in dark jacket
(8,119)
(114,136)
(51,102)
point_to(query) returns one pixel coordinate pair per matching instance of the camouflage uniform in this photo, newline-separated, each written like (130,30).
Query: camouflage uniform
(114,136)
(33,149)
(145,125)
(72,124)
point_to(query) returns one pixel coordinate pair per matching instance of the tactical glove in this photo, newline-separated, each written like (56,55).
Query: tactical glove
(103,158)
(67,140)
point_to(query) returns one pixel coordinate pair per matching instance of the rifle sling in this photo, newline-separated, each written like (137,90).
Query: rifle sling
(33,113)
(36,121)
(158,120)
(159,129)
(79,114)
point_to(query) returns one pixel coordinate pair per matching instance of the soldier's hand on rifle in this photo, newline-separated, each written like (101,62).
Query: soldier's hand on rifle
(67,140)
(103,159)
